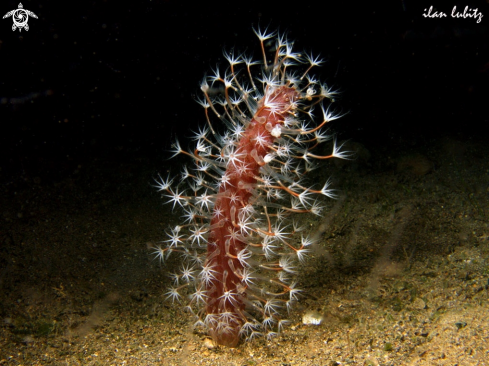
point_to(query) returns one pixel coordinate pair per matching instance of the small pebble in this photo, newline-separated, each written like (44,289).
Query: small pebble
(28,340)
(460,325)
(312,317)
(209,343)
(419,304)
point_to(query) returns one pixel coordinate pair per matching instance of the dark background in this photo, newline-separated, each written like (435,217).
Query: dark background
(117,80)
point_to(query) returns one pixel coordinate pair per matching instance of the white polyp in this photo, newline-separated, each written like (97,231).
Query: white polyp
(268,158)
(276,131)
(233,214)
(257,158)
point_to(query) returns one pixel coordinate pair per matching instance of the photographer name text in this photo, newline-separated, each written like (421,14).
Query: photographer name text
(466,13)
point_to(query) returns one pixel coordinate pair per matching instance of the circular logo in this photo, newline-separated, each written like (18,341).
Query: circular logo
(20,17)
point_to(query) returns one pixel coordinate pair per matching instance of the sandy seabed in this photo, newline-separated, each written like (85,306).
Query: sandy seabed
(400,275)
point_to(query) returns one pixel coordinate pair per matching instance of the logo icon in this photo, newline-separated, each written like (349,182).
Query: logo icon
(20,17)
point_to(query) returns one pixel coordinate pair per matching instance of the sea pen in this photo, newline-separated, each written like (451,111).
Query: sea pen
(239,243)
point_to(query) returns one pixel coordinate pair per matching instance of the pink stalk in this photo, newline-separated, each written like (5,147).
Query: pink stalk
(227,239)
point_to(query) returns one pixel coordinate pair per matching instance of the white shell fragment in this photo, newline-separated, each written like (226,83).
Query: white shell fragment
(312,318)
(209,343)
